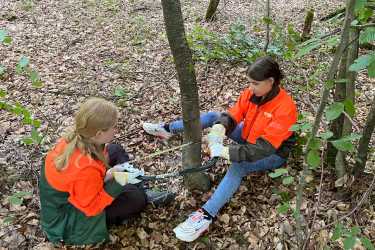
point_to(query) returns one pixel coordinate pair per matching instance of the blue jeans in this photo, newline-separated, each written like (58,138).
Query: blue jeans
(232,179)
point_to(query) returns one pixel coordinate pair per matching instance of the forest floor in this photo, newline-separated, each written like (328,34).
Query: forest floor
(103,48)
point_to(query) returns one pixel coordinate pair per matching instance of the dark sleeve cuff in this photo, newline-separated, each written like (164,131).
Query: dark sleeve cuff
(113,188)
(251,152)
(228,122)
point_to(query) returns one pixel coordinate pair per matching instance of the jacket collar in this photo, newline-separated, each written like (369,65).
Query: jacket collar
(260,100)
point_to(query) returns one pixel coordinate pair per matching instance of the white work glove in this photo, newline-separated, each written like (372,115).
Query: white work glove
(218,150)
(126,166)
(124,178)
(216,134)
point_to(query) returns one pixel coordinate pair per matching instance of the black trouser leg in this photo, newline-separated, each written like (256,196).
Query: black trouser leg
(116,154)
(127,205)
(133,200)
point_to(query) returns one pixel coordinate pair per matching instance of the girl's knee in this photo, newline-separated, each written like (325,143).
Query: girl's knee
(235,170)
(213,116)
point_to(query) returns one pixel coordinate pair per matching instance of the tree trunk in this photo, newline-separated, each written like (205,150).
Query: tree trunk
(363,146)
(211,10)
(352,54)
(191,155)
(268,21)
(307,25)
(336,125)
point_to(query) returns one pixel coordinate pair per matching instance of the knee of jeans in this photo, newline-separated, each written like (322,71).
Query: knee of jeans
(235,170)
(213,116)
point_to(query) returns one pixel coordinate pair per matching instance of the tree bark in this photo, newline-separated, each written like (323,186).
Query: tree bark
(363,145)
(336,125)
(191,155)
(307,25)
(352,54)
(268,19)
(211,10)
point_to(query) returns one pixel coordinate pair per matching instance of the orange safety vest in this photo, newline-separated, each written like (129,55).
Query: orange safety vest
(270,121)
(83,179)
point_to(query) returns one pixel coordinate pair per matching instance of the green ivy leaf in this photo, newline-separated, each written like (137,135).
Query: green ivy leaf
(22,194)
(333,41)
(334,110)
(367,244)
(307,48)
(267,20)
(315,143)
(343,145)
(352,137)
(337,232)
(37,84)
(8,220)
(283,209)
(27,120)
(295,127)
(355,231)
(37,139)
(7,40)
(349,243)
(278,172)
(361,63)
(120,91)
(3,34)
(36,123)
(2,70)
(329,84)
(368,35)
(14,200)
(3,93)
(326,135)
(287,180)
(364,14)
(34,76)
(306,127)
(4,38)
(24,61)
(313,158)
(359,4)
(371,70)
(27,140)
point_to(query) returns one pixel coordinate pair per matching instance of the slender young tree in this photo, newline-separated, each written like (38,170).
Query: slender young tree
(307,25)
(191,155)
(211,10)
(363,146)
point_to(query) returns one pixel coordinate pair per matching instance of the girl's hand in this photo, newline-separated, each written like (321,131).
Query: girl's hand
(124,178)
(218,150)
(216,135)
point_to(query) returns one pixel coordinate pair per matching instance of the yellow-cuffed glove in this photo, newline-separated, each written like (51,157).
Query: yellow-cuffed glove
(216,134)
(218,150)
(124,178)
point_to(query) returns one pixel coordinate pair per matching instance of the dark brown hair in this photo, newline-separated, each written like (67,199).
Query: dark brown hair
(264,68)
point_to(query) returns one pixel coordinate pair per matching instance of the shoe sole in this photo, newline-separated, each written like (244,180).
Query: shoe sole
(164,200)
(189,239)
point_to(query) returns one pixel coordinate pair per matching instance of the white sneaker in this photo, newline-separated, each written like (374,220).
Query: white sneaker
(193,227)
(156,129)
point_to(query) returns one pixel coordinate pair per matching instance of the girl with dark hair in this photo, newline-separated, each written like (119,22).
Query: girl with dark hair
(259,122)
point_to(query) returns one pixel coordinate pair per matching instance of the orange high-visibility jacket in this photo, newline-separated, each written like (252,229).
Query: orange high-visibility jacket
(83,179)
(270,121)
